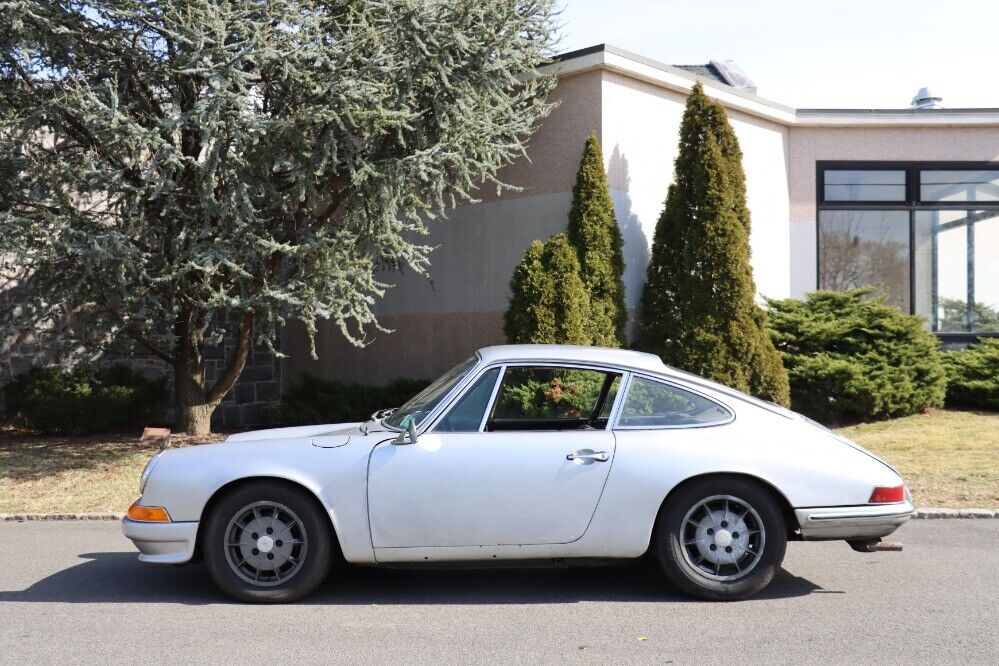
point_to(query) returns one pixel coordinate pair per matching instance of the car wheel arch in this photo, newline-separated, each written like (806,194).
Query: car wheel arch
(786,509)
(226,488)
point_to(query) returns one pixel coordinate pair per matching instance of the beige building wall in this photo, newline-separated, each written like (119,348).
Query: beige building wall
(636,109)
(811,144)
(641,124)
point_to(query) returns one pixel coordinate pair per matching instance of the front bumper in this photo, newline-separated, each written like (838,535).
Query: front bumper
(852,522)
(162,543)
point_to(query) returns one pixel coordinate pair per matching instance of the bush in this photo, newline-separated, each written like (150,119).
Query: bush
(850,357)
(312,400)
(973,375)
(549,303)
(84,400)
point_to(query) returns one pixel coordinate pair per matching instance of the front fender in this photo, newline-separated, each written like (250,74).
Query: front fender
(185,480)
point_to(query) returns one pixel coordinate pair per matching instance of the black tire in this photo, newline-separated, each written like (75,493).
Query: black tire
(309,570)
(677,560)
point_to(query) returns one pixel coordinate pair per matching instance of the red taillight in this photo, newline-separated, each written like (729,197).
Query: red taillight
(887,494)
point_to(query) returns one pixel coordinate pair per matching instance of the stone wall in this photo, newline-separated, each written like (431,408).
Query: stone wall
(258,388)
(249,403)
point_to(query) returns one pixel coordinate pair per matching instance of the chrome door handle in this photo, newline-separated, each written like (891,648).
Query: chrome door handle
(588,456)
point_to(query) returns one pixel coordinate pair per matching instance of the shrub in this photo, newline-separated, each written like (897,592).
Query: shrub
(549,303)
(546,393)
(973,375)
(84,400)
(698,308)
(310,400)
(594,232)
(852,357)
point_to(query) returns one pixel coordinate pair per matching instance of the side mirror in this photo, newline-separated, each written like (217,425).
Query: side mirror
(410,431)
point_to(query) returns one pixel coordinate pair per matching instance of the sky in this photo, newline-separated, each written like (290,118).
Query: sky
(809,54)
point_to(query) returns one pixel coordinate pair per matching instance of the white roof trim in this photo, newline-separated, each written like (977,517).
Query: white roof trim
(610,58)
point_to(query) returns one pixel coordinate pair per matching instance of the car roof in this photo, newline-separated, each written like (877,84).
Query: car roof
(623,358)
(575,354)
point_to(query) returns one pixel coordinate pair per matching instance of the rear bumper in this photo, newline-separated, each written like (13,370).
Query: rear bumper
(852,522)
(162,543)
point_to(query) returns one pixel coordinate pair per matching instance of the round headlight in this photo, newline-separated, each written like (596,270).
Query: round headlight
(146,471)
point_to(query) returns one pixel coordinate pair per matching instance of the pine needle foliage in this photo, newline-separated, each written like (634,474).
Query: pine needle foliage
(594,232)
(851,357)
(549,303)
(973,375)
(163,162)
(698,307)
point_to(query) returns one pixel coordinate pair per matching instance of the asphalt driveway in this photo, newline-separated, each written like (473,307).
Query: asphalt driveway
(74,592)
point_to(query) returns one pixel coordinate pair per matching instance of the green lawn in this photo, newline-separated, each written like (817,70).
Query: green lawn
(948,458)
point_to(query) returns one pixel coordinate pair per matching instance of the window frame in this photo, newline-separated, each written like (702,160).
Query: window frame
(913,203)
(503,365)
(626,386)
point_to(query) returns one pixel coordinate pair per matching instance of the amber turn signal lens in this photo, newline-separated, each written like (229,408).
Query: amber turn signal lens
(148,514)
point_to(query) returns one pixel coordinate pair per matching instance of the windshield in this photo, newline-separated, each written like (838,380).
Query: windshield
(427,399)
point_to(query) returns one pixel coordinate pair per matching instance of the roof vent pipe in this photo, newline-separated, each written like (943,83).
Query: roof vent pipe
(925,99)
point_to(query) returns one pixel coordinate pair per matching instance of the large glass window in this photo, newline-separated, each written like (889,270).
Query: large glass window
(924,234)
(864,185)
(957,280)
(959,186)
(865,248)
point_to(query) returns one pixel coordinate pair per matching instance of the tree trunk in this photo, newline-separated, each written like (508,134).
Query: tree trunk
(194,411)
(195,419)
(194,401)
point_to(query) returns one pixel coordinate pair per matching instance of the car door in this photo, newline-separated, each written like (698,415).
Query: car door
(520,458)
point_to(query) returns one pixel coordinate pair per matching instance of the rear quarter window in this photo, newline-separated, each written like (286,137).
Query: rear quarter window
(653,404)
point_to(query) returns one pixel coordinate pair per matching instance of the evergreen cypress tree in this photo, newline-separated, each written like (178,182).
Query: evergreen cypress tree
(698,307)
(548,300)
(594,232)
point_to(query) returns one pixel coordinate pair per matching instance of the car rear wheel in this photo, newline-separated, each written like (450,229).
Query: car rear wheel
(268,542)
(721,539)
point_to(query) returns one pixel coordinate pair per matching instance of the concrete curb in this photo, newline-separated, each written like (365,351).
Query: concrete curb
(25,517)
(955,513)
(925,514)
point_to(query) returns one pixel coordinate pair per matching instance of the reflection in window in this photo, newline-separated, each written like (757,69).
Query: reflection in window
(865,248)
(561,396)
(949,186)
(957,270)
(864,185)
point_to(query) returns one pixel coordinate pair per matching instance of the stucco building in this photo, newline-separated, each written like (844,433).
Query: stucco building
(904,199)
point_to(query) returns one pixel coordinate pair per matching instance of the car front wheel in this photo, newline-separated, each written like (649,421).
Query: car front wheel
(721,539)
(267,542)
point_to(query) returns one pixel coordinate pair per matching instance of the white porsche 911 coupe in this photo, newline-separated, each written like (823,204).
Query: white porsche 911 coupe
(522,453)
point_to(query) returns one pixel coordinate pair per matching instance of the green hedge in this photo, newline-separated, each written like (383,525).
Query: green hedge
(84,400)
(312,400)
(973,375)
(851,357)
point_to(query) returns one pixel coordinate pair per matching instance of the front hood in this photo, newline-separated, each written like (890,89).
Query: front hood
(300,431)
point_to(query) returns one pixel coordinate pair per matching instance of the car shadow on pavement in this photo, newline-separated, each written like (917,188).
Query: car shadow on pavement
(120,578)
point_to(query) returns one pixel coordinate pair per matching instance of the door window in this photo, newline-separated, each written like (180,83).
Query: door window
(467,413)
(552,398)
(651,404)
